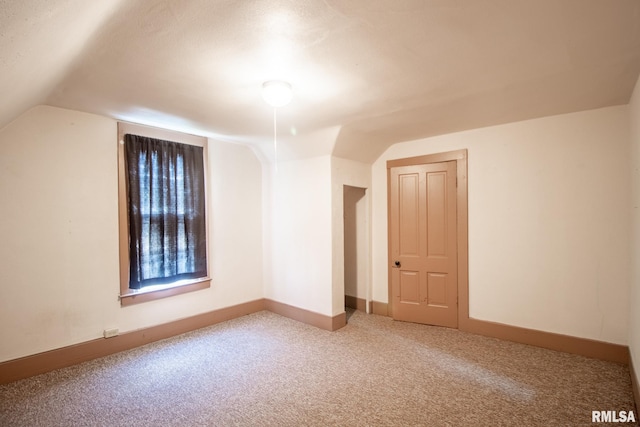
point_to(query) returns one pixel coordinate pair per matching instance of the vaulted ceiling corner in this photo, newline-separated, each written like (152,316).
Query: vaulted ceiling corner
(369,72)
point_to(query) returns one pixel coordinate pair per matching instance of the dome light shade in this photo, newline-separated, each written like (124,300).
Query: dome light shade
(277,93)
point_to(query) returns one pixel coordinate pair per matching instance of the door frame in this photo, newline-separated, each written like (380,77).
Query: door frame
(462,220)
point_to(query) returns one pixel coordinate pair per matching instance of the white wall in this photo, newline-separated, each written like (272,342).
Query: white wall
(355,174)
(236,228)
(634,291)
(59,277)
(548,221)
(304,233)
(548,228)
(298,239)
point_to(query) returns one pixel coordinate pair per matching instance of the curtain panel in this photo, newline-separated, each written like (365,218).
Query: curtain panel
(166,211)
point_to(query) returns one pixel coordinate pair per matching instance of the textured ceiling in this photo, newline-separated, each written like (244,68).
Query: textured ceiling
(365,73)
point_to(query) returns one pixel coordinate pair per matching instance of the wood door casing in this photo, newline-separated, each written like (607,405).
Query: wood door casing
(423,243)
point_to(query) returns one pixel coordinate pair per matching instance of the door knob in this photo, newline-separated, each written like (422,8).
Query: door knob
(397,263)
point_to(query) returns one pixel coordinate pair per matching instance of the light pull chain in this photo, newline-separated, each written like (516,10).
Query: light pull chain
(275,139)
(276,93)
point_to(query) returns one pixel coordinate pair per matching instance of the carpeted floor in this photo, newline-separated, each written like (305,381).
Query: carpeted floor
(267,370)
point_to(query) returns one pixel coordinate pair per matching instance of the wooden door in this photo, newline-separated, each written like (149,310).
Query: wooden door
(422,221)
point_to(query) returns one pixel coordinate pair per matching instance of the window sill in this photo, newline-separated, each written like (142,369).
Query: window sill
(144,296)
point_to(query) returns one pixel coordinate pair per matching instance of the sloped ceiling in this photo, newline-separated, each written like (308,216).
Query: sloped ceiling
(365,73)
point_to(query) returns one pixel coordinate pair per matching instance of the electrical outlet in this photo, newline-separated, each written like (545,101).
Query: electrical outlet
(109,333)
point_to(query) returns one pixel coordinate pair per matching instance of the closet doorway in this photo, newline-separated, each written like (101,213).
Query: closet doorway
(356,248)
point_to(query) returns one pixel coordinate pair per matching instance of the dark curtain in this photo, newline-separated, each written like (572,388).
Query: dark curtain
(167,238)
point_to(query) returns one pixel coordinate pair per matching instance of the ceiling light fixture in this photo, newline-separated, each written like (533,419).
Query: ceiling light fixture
(276,93)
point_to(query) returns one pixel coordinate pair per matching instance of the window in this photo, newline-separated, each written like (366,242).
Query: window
(163,224)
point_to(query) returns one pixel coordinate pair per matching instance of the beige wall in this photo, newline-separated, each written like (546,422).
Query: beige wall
(59,233)
(303,232)
(548,221)
(298,233)
(634,294)
(548,228)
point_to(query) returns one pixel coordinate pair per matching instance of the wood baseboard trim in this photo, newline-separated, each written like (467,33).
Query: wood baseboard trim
(339,321)
(565,343)
(380,308)
(16,369)
(558,342)
(305,316)
(634,383)
(355,303)
(24,367)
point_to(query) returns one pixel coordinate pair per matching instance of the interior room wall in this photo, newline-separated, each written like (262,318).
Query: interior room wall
(548,221)
(634,291)
(298,240)
(59,231)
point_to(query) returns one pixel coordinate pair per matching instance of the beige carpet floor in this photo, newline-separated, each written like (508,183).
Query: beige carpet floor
(267,370)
